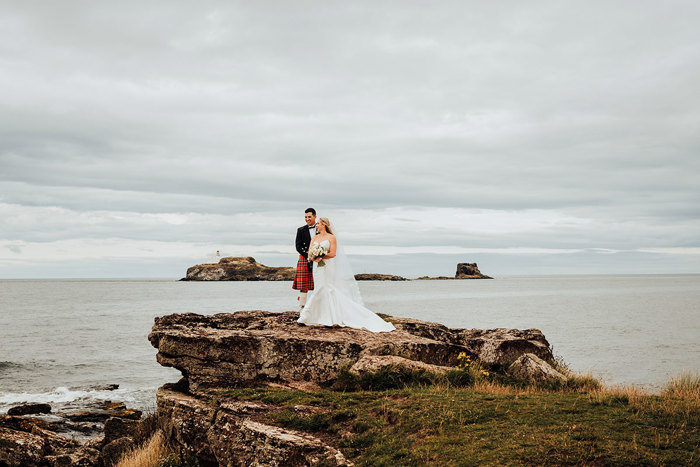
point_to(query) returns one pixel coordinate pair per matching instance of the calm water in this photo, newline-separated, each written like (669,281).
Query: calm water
(59,337)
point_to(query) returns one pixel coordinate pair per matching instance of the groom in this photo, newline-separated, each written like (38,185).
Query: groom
(304,279)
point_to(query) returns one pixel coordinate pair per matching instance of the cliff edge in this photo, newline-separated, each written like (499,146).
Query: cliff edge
(220,354)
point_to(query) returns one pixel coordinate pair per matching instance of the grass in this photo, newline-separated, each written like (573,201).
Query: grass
(388,377)
(152,449)
(150,454)
(685,385)
(492,422)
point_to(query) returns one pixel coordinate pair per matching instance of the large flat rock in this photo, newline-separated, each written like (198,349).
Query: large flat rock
(254,347)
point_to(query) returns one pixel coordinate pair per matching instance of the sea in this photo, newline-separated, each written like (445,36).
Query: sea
(60,340)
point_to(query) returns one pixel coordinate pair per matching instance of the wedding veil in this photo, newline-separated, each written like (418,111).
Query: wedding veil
(344,278)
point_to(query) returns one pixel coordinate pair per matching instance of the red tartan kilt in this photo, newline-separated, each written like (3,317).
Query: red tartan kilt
(304,279)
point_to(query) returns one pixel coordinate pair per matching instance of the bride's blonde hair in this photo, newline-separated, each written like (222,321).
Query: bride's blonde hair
(327,223)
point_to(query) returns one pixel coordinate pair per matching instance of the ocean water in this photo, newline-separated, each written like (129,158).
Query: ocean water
(60,338)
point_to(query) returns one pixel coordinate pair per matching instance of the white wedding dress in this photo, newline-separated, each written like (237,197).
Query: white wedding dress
(336,298)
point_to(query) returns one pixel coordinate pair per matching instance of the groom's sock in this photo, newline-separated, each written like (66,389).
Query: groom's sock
(302,299)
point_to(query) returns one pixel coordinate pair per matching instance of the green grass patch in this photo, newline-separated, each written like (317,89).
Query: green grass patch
(445,425)
(388,377)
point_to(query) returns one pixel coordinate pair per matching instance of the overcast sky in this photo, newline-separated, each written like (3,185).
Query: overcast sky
(137,138)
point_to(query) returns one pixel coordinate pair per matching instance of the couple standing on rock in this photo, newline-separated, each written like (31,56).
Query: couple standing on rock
(324,270)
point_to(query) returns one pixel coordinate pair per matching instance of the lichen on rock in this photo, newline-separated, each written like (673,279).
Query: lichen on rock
(227,351)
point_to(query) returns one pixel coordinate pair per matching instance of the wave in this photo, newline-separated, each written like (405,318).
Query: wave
(4,365)
(63,395)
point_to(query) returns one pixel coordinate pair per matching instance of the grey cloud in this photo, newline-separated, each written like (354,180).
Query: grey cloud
(232,107)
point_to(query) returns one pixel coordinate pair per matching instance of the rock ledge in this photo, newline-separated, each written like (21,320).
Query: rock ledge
(226,351)
(257,347)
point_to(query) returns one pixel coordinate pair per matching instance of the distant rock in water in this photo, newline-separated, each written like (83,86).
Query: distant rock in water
(245,268)
(378,277)
(464,271)
(238,268)
(469,271)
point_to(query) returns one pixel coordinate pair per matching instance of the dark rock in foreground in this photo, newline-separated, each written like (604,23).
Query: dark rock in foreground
(30,441)
(109,409)
(27,409)
(238,269)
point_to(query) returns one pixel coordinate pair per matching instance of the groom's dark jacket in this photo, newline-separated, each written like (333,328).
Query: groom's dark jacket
(303,240)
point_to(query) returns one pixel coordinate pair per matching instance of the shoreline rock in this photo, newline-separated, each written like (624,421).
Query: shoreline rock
(29,409)
(66,438)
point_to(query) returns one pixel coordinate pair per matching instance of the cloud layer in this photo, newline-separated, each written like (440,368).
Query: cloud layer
(500,132)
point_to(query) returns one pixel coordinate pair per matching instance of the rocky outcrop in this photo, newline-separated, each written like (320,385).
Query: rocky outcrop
(20,448)
(464,271)
(532,368)
(378,277)
(469,271)
(375,363)
(31,441)
(257,347)
(245,268)
(230,433)
(28,409)
(114,450)
(238,269)
(221,352)
(108,409)
(28,442)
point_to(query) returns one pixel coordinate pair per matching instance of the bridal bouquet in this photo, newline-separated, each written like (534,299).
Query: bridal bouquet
(316,251)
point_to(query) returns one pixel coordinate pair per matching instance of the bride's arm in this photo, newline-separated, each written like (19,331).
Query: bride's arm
(331,250)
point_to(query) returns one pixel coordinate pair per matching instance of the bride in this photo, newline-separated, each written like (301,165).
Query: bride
(336,298)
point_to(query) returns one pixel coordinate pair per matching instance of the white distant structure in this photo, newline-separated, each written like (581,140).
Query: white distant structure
(216,257)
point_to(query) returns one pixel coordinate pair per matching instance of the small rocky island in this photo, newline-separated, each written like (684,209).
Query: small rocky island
(378,277)
(464,271)
(245,268)
(238,268)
